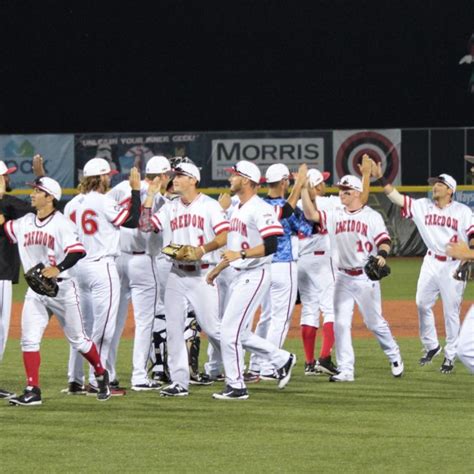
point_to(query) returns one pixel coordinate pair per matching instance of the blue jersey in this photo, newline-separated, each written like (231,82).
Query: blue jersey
(291,225)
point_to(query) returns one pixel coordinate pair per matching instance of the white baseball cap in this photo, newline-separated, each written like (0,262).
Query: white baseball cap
(315,176)
(277,172)
(4,170)
(247,170)
(445,179)
(48,185)
(97,167)
(157,165)
(351,182)
(469,158)
(188,169)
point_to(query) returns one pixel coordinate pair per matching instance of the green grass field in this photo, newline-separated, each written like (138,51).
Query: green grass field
(422,422)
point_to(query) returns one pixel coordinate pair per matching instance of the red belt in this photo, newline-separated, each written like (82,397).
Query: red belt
(353,272)
(441,258)
(193,268)
(319,252)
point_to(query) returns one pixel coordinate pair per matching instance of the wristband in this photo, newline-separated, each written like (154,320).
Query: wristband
(383,253)
(243,254)
(60,268)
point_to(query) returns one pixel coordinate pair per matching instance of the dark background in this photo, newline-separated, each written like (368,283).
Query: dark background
(129,66)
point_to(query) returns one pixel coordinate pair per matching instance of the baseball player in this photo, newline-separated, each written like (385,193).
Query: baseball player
(47,237)
(440,221)
(465,351)
(252,239)
(197,221)
(316,273)
(357,232)
(279,302)
(98,219)
(139,277)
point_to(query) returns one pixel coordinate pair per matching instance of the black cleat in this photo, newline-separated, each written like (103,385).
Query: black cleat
(31,397)
(430,355)
(6,395)
(103,392)
(174,390)
(74,388)
(200,379)
(284,373)
(324,365)
(447,366)
(230,393)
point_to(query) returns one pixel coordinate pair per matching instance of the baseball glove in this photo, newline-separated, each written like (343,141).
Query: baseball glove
(171,250)
(39,283)
(465,271)
(373,271)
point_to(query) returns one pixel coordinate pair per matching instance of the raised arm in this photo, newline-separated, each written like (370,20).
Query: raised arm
(365,169)
(389,190)
(309,207)
(298,186)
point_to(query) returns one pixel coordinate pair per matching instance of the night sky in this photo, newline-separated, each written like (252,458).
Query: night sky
(198,66)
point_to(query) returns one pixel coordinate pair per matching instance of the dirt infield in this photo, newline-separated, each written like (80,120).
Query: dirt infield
(401,316)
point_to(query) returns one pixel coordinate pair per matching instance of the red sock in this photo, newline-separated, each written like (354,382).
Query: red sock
(328,340)
(308,334)
(94,359)
(32,361)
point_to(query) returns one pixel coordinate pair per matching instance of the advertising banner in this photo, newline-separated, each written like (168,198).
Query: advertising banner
(57,151)
(267,148)
(383,146)
(126,150)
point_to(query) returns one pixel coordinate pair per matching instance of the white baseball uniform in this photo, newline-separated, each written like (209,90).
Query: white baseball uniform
(139,283)
(194,223)
(250,223)
(355,236)
(438,227)
(97,218)
(48,241)
(316,272)
(466,341)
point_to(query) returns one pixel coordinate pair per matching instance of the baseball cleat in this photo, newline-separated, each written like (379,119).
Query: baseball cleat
(146,387)
(174,390)
(447,366)
(31,397)
(342,377)
(430,355)
(284,373)
(230,393)
(6,395)
(271,377)
(324,365)
(397,368)
(103,391)
(309,368)
(251,377)
(200,379)
(161,377)
(74,388)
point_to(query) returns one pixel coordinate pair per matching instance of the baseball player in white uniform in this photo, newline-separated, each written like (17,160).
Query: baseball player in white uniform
(316,273)
(279,302)
(465,351)
(357,232)
(47,237)
(196,220)
(252,240)
(440,221)
(98,219)
(139,277)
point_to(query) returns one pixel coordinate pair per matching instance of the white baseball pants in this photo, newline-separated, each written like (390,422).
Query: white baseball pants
(277,309)
(316,287)
(366,293)
(99,286)
(214,365)
(436,278)
(466,341)
(37,310)
(138,283)
(5,313)
(183,288)
(247,291)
